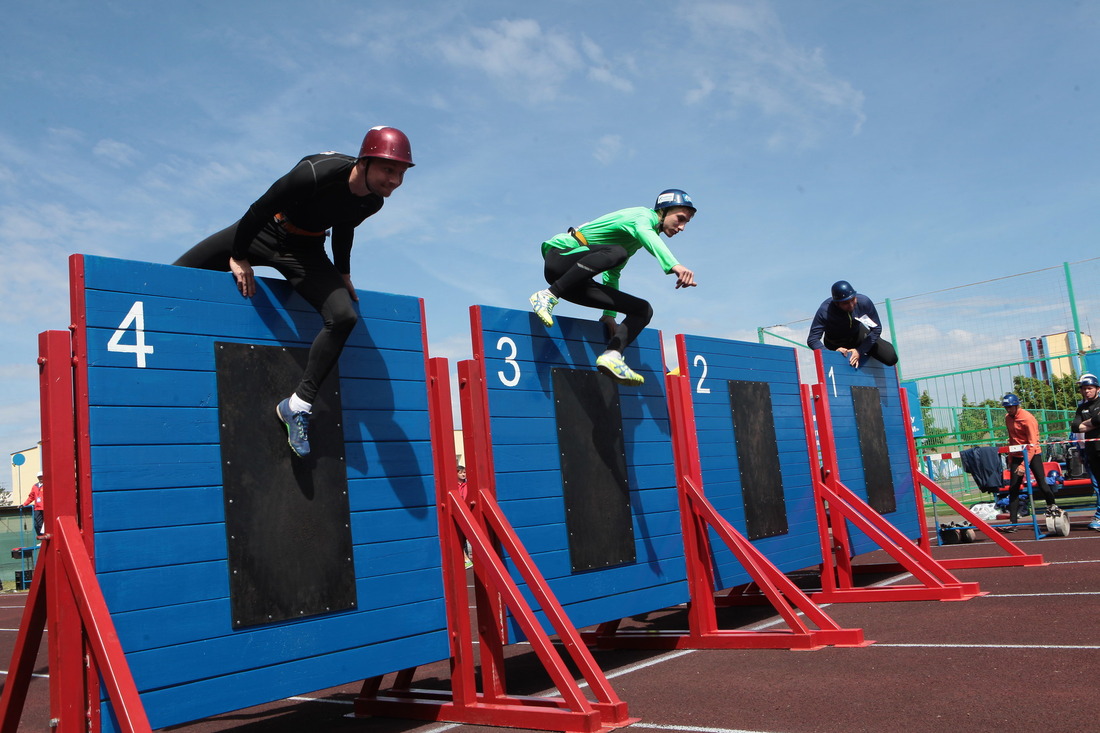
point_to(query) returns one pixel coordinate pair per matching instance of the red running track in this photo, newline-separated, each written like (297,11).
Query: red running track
(1024,657)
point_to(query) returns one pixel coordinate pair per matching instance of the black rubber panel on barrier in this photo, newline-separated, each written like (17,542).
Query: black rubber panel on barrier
(758,459)
(867,403)
(593,469)
(287,519)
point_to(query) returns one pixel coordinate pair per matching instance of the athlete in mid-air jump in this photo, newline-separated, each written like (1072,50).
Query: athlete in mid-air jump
(286,229)
(604,246)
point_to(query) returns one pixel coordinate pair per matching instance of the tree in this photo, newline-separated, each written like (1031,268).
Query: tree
(978,423)
(1060,393)
(934,437)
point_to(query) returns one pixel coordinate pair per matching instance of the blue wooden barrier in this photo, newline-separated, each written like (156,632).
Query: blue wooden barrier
(156,488)
(839,380)
(712,363)
(518,355)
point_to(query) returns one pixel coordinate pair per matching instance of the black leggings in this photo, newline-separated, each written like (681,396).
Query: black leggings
(570,277)
(1015,484)
(883,350)
(310,272)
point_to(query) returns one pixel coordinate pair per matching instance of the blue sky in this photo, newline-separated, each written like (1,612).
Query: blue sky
(904,146)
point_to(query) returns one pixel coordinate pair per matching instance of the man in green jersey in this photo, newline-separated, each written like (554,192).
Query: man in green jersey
(574,258)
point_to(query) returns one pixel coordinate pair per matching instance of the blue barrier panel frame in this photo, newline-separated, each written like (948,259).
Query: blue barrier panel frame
(712,363)
(518,353)
(839,379)
(158,514)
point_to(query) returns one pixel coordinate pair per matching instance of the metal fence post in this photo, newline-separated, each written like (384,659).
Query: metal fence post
(1077,366)
(893,335)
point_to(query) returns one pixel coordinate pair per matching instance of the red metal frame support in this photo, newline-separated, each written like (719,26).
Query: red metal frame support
(1015,557)
(837,505)
(697,518)
(65,595)
(479,520)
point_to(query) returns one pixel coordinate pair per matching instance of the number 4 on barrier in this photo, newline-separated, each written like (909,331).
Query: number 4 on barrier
(136,316)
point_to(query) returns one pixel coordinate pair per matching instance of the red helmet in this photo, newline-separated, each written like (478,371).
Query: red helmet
(387,142)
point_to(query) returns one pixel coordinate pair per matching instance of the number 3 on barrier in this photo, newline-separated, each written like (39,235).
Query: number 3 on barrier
(510,360)
(136,316)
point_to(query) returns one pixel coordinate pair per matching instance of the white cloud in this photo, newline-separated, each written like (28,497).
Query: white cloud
(608,148)
(702,90)
(530,62)
(602,70)
(117,154)
(519,55)
(742,58)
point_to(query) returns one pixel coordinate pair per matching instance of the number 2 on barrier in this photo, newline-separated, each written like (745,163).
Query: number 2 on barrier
(139,348)
(511,360)
(699,388)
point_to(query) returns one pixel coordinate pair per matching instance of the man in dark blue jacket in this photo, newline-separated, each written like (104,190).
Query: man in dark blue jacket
(848,322)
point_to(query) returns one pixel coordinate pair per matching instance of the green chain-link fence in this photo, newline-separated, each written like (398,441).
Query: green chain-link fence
(964,347)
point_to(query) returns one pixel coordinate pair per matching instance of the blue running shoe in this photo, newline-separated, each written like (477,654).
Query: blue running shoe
(616,368)
(1095,524)
(543,304)
(297,428)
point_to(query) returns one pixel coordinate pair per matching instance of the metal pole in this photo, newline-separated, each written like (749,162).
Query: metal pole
(1076,322)
(893,335)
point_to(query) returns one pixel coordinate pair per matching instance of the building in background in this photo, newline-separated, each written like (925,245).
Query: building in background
(1055,355)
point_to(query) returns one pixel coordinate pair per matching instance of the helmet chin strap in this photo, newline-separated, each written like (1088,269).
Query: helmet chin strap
(366,178)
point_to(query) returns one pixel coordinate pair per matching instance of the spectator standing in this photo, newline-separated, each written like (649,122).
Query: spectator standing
(1086,420)
(36,499)
(1023,429)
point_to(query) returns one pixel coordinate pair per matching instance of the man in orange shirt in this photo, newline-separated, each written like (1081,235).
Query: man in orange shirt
(36,500)
(1023,429)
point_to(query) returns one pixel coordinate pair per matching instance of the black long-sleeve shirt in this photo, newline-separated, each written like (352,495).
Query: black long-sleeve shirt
(842,328)
(315,197)
(1086,411)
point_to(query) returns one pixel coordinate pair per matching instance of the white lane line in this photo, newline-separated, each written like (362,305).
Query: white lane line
(1044,595)
(33,674)
(692,728)
(299,698)
(989,646)
(648,663)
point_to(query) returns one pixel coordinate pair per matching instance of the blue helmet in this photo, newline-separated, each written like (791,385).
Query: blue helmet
(1010,400)
(842,291)
(1088,380)
(673,197)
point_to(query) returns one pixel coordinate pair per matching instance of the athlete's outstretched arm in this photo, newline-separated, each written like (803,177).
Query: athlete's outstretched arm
(685,278)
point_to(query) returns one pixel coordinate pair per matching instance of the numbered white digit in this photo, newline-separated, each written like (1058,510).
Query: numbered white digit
(509,359)
(833,378)
(699,388)
(139,348)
